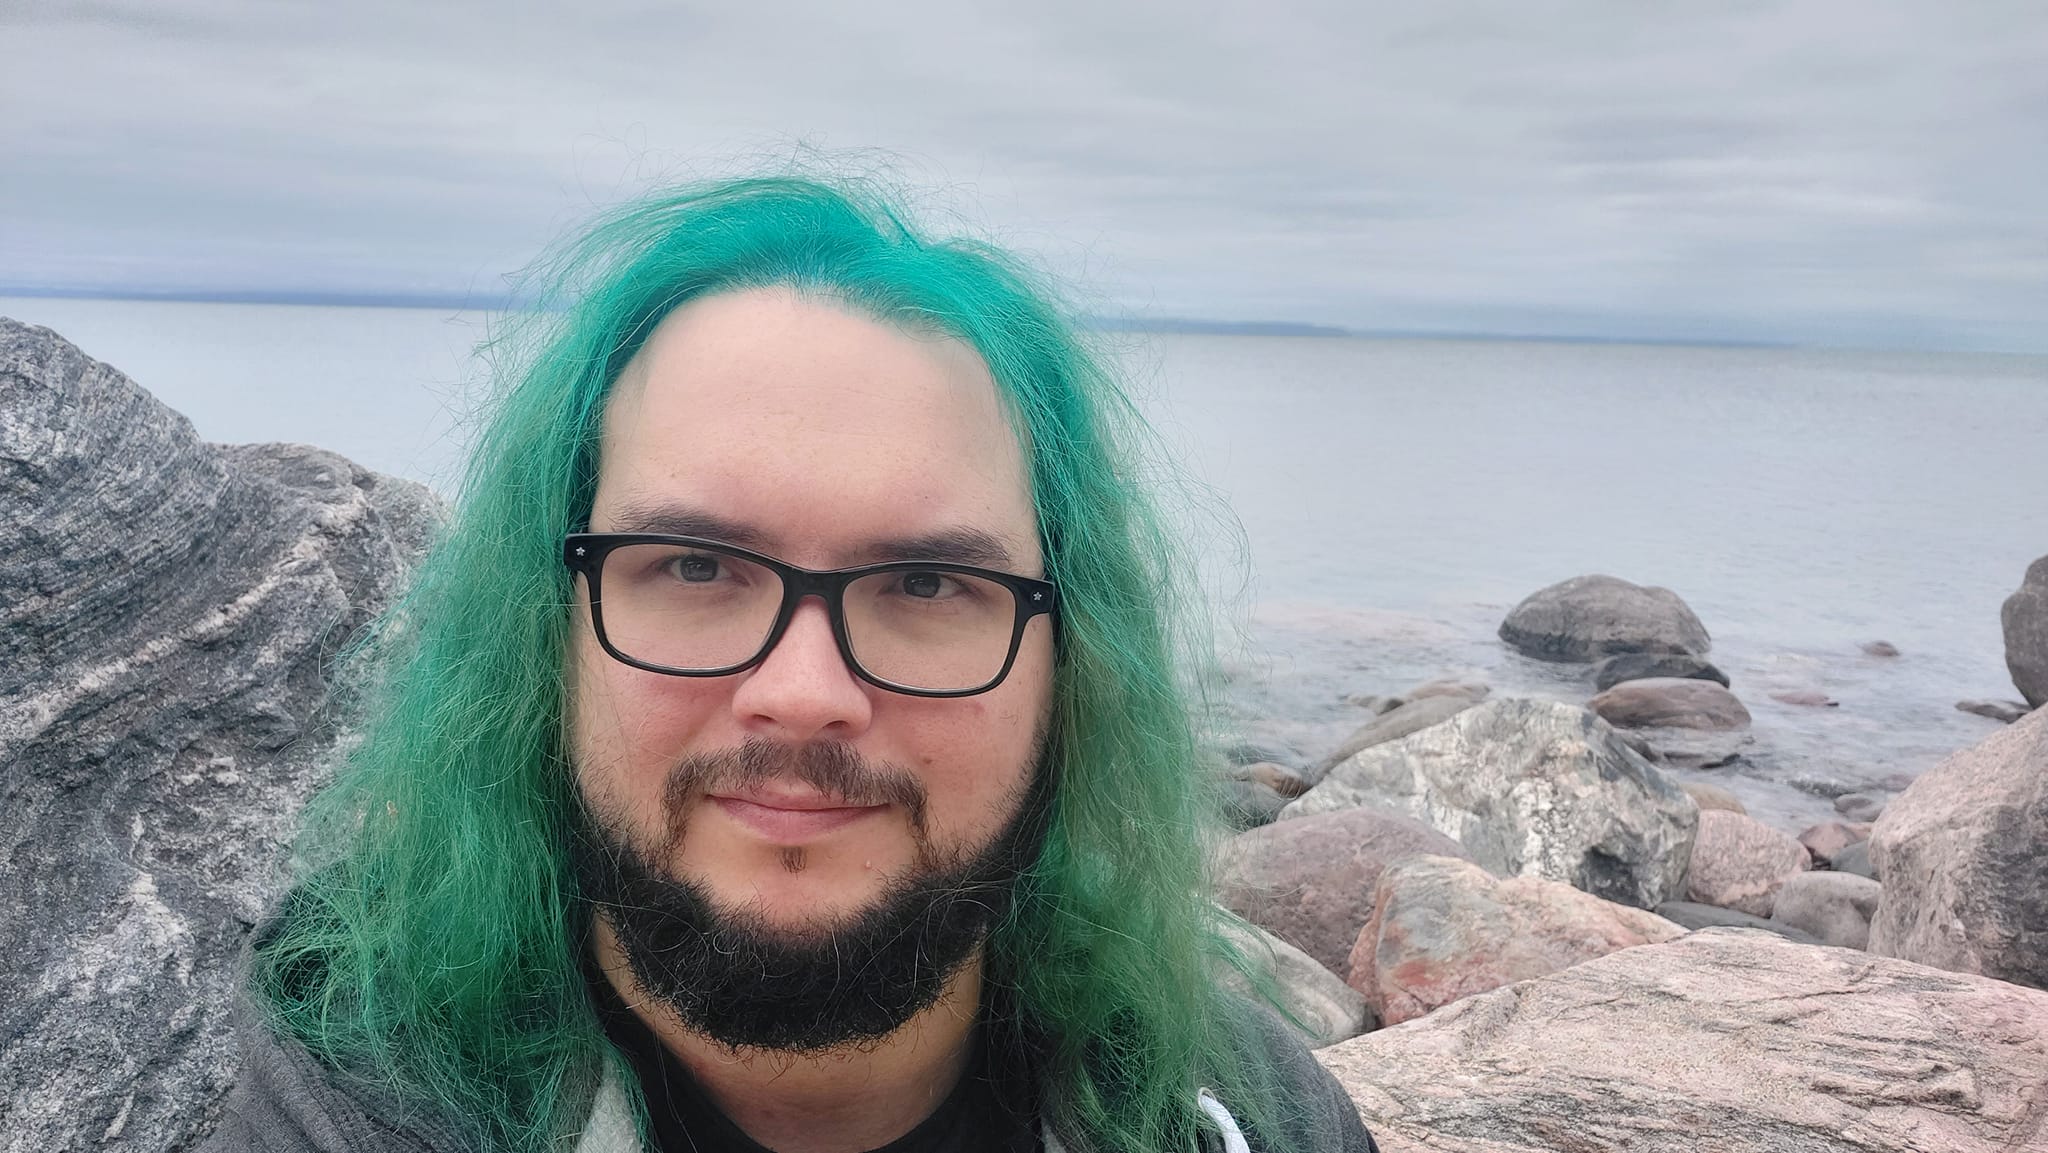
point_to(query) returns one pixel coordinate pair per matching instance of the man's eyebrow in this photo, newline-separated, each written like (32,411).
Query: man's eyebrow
(682,520)
(962,545)
(958,545)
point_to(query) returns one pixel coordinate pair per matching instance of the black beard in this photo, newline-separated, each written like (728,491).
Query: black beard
(744,983)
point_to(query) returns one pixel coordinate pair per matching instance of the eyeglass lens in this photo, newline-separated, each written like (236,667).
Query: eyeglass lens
(693,608)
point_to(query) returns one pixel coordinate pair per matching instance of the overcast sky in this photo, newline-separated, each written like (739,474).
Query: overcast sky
(1863,172)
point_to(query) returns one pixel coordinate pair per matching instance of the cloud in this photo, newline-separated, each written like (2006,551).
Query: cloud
(1824,170)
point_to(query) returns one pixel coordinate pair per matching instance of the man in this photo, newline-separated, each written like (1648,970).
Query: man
(784,749)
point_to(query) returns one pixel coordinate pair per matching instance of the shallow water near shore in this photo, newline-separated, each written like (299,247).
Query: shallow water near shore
(1399,496)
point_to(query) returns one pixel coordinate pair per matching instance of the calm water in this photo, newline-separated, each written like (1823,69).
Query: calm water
(1399,496)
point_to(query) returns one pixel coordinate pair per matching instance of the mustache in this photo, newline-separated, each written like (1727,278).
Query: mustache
(835,769)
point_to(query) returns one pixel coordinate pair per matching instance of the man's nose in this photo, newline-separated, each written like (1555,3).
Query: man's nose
(803,690)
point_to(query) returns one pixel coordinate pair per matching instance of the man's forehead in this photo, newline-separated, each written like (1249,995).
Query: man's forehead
(793,426)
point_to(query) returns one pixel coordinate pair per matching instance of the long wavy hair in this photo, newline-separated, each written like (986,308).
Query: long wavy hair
(430,944)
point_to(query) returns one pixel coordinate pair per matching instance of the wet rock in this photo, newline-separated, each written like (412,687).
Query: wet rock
(1590,617)
(1279,778)
(1960,853)
(1326,1010)
(1374,703)
(1645,666)
(2005,712)
(1708,796)
(1826,840)
(1855,859)
(1310,882)
(1530,788)
(1806,699)
(1739,863)
(2025,619)
(1250,804)
(1694,748)
(1862,808)
(1444,929)
(1722,1041)
(1473,691)
(1671,703)
(1253,752)
(1880,648)
(1834,907)
(1828,787)
(167,607)
(1693,915)
(1410,717)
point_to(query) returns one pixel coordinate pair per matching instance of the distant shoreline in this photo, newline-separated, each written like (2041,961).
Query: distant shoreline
(1168,325)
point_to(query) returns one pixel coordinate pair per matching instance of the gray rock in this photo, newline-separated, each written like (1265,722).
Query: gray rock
(1722,1041)
(1694,915)
(2004,712)
(1670,703)
(166,606)
(1835,907)
(2025,619)
(1961,857)
(1324,1010)
(1880,649)
(1860,807)
(1409,717)
(1310,881)
(1855,859)
(1530,788)
(1642,666)
(1590,617)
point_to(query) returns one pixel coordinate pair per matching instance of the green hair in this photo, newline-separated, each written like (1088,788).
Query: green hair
(430,945)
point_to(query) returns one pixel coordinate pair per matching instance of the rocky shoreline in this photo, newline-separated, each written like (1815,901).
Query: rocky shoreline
(1506,924)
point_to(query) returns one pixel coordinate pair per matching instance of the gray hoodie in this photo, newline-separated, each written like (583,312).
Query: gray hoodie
(287,1101)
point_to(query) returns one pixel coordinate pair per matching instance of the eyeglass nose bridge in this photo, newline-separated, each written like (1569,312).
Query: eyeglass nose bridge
(799,585)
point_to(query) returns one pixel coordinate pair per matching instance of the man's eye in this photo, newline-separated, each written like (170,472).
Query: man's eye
(924,584)
(696,568)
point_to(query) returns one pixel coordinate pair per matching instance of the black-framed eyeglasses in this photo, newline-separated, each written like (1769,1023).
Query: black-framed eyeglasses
(690,607)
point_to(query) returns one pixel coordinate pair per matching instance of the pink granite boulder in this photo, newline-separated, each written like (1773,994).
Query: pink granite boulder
(1964,857)
(1442,929)
(1310,882)
(1740,863)
(1723,1041)
(1670,703)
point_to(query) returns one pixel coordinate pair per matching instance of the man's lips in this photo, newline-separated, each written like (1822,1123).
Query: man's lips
(791,818)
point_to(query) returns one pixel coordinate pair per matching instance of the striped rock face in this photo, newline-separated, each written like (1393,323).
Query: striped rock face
(166,606)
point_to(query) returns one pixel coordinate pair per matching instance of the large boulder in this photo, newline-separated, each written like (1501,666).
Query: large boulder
(1834,907)
(166,606)
(1740,863)
(1723,1041)
(1530,788)
(1642,666)
(1320,1008)
(1411,716)
(1670,703)
(1443,929)
(1310,882)
(1590,617)
(1963,854)
(2025,617)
